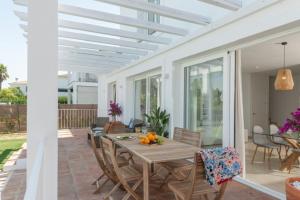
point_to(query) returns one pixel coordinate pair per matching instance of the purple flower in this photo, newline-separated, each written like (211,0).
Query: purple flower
(115,109)
(292,124)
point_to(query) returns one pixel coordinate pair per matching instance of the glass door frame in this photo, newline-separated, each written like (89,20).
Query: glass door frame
(146,76)
(228,92)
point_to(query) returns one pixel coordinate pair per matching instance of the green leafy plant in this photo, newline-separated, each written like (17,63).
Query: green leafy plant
(63,100)
(158,120)
(3,74)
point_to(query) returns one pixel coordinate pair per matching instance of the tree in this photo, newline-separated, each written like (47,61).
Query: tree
(13,96)
(3,74)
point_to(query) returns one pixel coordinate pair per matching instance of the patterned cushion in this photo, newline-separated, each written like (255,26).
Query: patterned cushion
(221,164)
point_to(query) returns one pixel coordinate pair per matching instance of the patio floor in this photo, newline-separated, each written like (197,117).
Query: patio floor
(78,169)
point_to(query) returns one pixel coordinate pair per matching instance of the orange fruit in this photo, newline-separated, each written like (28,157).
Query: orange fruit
(152,132)
(151,137)
(146,140)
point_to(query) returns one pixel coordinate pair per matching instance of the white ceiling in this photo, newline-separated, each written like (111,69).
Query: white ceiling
(268,56)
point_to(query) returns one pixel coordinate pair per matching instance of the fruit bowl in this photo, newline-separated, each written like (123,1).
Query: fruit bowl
(151,138)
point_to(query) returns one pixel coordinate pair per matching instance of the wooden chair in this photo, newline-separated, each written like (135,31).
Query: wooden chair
(124,174)
(196,186)
(180,169)
(106,173)
(293,157)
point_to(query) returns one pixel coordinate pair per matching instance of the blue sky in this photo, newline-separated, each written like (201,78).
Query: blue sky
(13,48)
(12,44)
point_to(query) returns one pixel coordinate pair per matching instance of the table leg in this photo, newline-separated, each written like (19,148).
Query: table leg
(146,180)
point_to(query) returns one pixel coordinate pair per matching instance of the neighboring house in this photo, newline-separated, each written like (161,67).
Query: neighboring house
(19,84)
(62,85)
(83,87)
(80,88)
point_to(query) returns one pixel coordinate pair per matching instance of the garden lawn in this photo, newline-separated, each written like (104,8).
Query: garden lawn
(7,147)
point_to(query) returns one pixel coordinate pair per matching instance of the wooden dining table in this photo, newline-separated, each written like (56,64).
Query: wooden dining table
(170,150)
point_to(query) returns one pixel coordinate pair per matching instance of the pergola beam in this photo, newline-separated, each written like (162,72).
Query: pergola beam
(113,18)
(97,53)
(63,42)
(85,69)
(102,40)
(94,61)
(227,4)
(103,30)
(95,65)
(161,10)
(92,57)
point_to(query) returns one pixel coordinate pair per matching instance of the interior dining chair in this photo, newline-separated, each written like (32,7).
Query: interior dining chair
(261,139)
(125,174)
(196,186)
(180,169)
(278,140)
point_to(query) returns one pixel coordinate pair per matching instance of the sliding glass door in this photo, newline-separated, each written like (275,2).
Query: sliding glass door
(204,100)
(147,95)
(140,99)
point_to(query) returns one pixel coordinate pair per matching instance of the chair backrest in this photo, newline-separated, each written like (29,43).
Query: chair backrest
(101,121)
(198,173)
(111,155)
(259,136)
(186,136)
(101,161)
(273,129)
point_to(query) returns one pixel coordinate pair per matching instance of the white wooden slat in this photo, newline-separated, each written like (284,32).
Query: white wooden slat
(161,10)
(84,68)
(97,53)
(63,54)
(105,40)
(103,30)
(88,64)
(113,18)
(227,4)
(100,39)
(93,60)
(85,45)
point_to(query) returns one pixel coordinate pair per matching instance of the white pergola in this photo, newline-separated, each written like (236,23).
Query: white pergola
(56,42)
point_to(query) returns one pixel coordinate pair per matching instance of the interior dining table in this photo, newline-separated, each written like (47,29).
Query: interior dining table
(294,141)
(152,154)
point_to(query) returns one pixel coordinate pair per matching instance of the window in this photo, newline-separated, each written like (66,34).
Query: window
(155,92)
(204,100)
(140,99)
(147,95)
(152,17)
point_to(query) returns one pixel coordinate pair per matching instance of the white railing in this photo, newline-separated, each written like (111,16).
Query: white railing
(33,192)
(76,118)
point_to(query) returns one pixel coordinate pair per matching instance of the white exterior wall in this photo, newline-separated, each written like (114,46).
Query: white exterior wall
(218,37)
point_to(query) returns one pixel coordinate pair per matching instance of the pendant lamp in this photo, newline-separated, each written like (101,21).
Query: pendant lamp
(284,78)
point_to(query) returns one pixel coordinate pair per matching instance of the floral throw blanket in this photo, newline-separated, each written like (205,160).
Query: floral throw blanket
(221,164)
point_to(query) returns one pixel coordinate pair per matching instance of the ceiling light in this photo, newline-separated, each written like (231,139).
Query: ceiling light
(284,78)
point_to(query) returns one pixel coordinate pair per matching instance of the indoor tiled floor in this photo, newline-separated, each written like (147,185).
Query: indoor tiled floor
(78,169)
(259,171)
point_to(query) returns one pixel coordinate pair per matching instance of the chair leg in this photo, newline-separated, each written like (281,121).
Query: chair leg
(269,159)
(265,154)
(136,185)
(221,192)
(279,153)
(98,179)
(166,179)
(100,187)
(254,154)
(106,197)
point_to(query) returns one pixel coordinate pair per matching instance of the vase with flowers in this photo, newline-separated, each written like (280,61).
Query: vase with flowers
(292,124)
(115,110)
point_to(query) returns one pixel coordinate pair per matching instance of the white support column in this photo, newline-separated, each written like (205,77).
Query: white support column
(167,92)
(42,94)
(102,96)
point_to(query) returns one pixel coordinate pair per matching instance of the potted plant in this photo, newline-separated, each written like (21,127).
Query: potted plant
(292,193)
(158,120)
(114,110)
